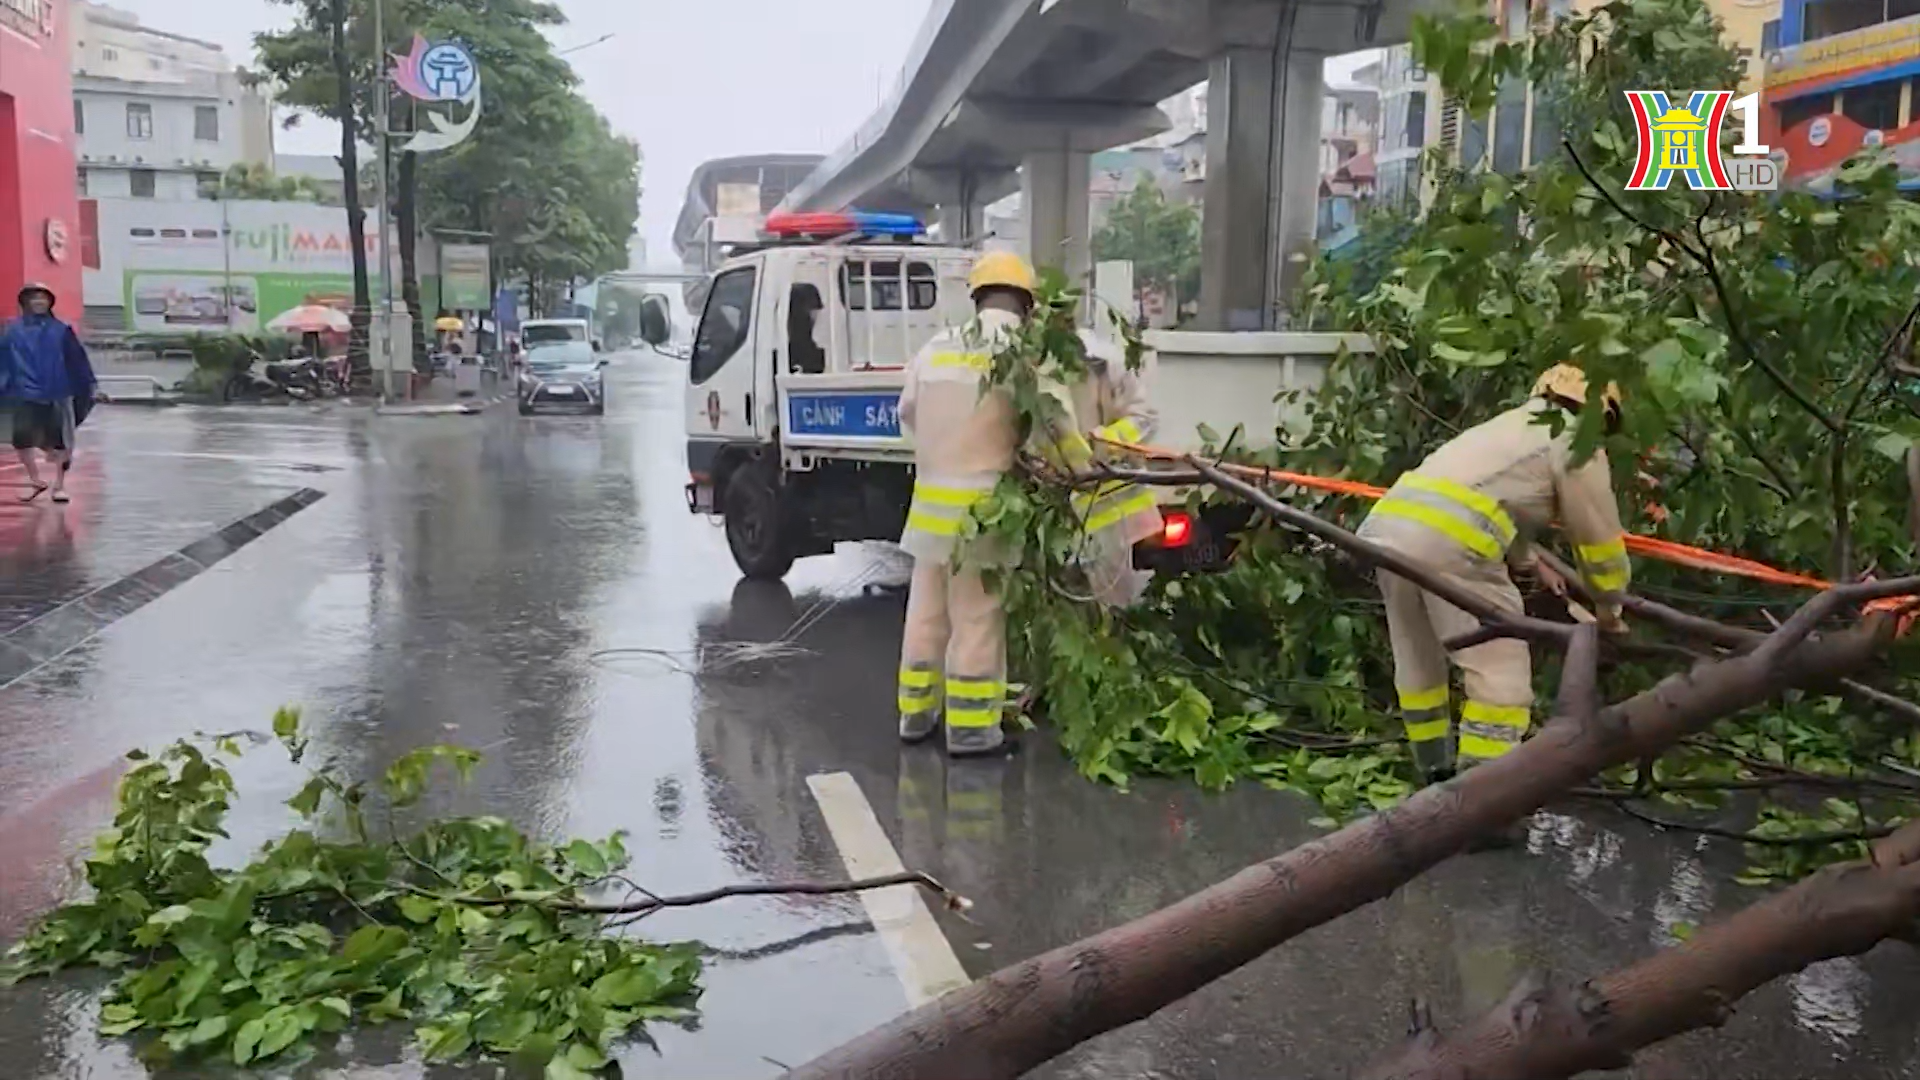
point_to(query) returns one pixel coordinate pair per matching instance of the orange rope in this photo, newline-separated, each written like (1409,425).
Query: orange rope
(1664,550)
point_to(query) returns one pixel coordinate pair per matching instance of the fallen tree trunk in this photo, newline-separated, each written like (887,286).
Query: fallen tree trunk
(1027,1014)
(1544,1031)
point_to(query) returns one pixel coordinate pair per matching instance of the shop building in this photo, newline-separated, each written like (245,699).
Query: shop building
(39,208)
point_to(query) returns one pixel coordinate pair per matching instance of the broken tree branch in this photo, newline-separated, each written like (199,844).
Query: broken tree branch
(1014,1020)
(1544,1031)
(652,903)
(1521,626)
(1739,639)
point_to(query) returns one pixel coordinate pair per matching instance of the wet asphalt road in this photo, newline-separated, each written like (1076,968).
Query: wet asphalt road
(493,581)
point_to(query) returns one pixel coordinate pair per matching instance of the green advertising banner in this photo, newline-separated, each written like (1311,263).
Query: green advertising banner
(198,301)
(465,278)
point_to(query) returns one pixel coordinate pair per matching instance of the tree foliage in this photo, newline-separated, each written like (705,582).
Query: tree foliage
(543,173)
(1160,238)
(1756,340)
(252,180)
(461,927)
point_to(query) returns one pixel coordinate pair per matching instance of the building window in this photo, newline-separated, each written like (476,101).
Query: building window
(1769,38)
(1515,18)
(1416,133)
(109,55)
(79,117)
(1544,140)
(140,182)
(80,181)
(209,184)
(1825,18)
(206,123)
(1797,111)
(1510,125)
(1875,107)
(1900,9)
(139,120)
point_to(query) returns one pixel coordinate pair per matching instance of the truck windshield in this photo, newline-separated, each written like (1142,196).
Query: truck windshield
(552,332)
(724,326)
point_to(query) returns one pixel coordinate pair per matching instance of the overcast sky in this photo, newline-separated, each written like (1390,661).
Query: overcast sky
(691,80)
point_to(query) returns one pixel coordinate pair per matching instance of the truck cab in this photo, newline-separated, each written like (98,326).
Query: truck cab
(794,379)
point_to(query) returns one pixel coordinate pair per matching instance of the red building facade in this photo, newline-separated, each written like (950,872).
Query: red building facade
(39,206)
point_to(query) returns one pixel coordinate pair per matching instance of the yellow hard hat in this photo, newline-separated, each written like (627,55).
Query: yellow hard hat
(1004,269)
(1569,382)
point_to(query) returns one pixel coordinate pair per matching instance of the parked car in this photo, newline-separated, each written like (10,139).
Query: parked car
(563,373)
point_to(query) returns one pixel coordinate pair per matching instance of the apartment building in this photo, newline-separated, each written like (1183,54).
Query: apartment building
(1519,130)
(158,115)
(1842,80)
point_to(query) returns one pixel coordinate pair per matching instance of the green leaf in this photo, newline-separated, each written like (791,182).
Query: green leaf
(584,1057)
(633,985)
(307,799)
(419,909)
(587,858)
(247,1040)
(286,723)
(559,1068)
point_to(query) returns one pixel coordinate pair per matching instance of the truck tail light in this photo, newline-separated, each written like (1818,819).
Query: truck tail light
(1177,530)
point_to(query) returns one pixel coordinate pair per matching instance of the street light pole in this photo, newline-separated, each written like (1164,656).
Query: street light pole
(382,107)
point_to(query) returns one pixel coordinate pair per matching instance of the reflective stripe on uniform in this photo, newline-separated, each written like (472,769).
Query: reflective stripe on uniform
(1491,731)
(975,703)
(1424,713)
(972,361)
(1467,517)
(1427,725)
(919,690)
(1420,700)
(1605,564)
(940,510)
(1111,503)
(1121,430)
(1073,450)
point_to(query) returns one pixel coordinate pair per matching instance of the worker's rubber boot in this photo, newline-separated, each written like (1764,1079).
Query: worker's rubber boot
(919,727)
(975,741)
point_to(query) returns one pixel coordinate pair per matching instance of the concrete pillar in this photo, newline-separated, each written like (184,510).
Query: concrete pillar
(1053,188)
(1263,185)
(960,213)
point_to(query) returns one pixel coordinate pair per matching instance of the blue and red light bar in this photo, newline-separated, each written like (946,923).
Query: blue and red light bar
(843,223)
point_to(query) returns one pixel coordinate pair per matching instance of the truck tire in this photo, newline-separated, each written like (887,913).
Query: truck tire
(757,531)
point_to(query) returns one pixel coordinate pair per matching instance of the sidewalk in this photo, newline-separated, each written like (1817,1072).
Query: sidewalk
(438,398)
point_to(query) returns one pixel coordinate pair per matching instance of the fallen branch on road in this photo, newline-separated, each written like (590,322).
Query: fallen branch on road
(651,904)
(1543,1031)
(1025,1015)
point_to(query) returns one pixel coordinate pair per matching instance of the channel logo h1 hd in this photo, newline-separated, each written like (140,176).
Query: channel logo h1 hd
(1684,141)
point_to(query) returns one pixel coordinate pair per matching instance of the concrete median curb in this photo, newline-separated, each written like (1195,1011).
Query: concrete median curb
(45,638)
(443,408)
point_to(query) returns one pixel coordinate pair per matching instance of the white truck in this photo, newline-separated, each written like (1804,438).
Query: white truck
(793,387)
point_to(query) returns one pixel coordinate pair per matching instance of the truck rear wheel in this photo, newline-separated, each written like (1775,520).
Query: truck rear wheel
(757,526)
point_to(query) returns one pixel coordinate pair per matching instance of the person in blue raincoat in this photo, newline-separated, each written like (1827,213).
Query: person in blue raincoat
(47,383)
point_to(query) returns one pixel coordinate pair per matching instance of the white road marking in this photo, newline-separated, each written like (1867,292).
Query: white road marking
(921,954)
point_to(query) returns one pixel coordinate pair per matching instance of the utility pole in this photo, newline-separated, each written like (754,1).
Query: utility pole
(382,106)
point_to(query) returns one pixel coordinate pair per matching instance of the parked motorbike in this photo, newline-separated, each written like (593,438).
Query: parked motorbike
(293,380)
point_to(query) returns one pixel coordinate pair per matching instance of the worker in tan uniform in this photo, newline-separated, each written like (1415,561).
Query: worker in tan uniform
(1466,514)
(953,654)
(1111,403)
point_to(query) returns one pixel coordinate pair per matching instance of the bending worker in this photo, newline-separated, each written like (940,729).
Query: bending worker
(1111,403)
(953,653)
(1466,513)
